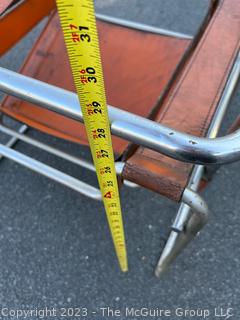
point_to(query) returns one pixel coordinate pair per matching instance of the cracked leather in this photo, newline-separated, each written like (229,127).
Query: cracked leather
(191,102)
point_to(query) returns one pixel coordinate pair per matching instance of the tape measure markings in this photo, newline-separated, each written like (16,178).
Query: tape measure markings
(81,39)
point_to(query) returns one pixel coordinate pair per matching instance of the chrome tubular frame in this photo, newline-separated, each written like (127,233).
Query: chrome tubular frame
(183,230)
(143,27)
(14,139)
(51,173)
(178,145)
(48,171)
(175,144)
(177,240)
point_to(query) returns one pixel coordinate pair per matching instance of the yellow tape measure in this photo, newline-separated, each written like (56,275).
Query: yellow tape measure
(81,38)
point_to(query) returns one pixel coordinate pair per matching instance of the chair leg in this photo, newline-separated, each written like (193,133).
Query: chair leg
(191,218)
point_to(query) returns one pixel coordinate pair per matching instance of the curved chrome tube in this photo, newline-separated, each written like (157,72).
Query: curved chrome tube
(196,203)
(175,144)
(177,241)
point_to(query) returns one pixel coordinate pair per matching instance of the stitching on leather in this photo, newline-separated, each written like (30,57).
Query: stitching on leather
(188,68)
(205,122)
(173,96)
(220,88)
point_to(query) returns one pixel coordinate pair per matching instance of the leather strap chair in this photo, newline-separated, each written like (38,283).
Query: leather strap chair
(180,84)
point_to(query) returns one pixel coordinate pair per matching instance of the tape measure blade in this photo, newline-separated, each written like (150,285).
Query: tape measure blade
(81,38)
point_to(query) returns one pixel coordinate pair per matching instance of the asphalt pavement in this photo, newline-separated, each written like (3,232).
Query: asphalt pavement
(55,245)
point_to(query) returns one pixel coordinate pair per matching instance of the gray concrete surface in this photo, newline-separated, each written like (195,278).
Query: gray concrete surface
(55,245)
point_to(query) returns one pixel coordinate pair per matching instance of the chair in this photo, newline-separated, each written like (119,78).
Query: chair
(170,93)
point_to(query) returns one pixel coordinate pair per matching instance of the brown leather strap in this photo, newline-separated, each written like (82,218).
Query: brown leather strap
(134,77)
(192,101)
(21,20)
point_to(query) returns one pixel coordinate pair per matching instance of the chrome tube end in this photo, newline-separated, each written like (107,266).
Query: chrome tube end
(178,241)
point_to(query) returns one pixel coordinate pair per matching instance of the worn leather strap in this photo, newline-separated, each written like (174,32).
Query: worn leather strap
(190,104)
(134,77)
(21,19)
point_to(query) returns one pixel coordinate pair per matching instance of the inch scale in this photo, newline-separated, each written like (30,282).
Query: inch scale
(81,38)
